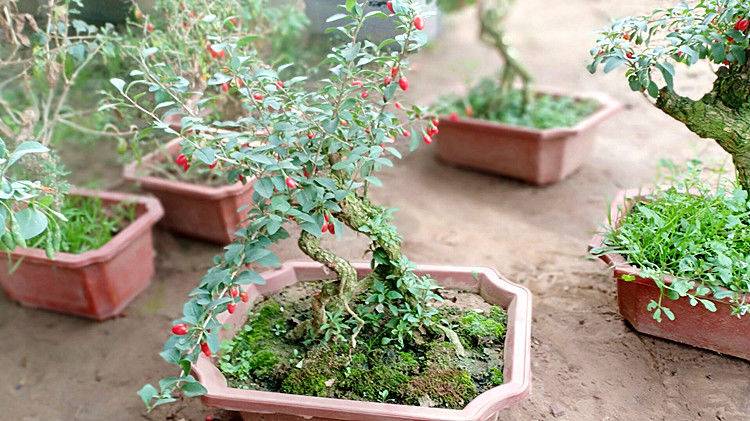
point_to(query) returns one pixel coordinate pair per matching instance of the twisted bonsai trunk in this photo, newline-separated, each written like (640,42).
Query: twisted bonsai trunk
(356,212)
(491,16)
(722,114)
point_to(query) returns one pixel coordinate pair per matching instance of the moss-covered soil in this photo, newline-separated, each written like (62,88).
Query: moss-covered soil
(426,371)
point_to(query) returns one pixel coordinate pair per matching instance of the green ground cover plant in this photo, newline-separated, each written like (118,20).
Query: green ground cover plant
(697,234)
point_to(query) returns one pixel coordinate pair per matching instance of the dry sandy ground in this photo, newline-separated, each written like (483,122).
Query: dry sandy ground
(587,363)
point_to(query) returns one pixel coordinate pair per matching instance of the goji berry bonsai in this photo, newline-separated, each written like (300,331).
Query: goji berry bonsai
(502,125)
(314,149)
(68,236)
(175,49)
(702,254)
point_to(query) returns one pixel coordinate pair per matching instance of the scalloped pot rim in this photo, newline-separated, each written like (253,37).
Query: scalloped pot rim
(486,282)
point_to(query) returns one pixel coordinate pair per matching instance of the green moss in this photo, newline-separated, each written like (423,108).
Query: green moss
(367,378)
(255,354)
(426,370)
(477,329)
(446,387)
(322,364)
(496,376)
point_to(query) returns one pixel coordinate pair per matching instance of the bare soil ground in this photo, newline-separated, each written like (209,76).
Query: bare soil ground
(587,363)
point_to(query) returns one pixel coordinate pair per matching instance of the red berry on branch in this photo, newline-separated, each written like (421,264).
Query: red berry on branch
(279,84)
(626,37)
(436,122)
(212,166)
(453,116)
(181,159)
(180,329)
(324,228)
(290,182)
(427,139)
(231,307)
(398,105)
(726,62)
(138,15)
(365,94)
(390,6)
(310,135)
(629,55)
(244,297)
(403,83)
(730,39)
(206,350)
(233,20)
(306,174)
(235,292)
(239,82)
(419,23)
(406,133)
(325,216)
(331,228)
(742,24)
(258,96)
(387,81)
(344,123)
(210,417)
(394,71)
(225,87)
(357,83)
(367,130)
(186,167)
(150,27)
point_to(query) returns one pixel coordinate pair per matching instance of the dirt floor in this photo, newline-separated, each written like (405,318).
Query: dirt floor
(587,363)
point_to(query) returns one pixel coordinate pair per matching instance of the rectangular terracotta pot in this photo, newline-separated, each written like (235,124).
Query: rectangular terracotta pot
(718,331)
(194,210)
(261,405)
(97,284)
(532,155)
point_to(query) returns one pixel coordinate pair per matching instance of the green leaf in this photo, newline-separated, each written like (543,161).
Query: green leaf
(206,155)
(31,222)
(337,16)
(118,83)
(612,62)
(193,388)
(249,277)
(24,149)
(147,393)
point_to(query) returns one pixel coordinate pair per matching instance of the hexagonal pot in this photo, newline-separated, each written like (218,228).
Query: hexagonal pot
(194,210)
(536,156)
(261,405)
(718,331)
(97,284)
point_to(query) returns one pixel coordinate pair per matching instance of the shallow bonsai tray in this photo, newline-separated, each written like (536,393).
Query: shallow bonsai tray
(693,325)
(97,284)
(536,156)
(194,210)
(262,405)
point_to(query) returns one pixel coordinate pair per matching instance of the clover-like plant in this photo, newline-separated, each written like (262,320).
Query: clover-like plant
(40,61)
(312,150)
(711,31)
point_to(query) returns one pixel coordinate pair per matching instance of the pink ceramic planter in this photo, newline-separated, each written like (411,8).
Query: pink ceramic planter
(532,155)
(97,284)
(204,212)
(260,405)
(718,331)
